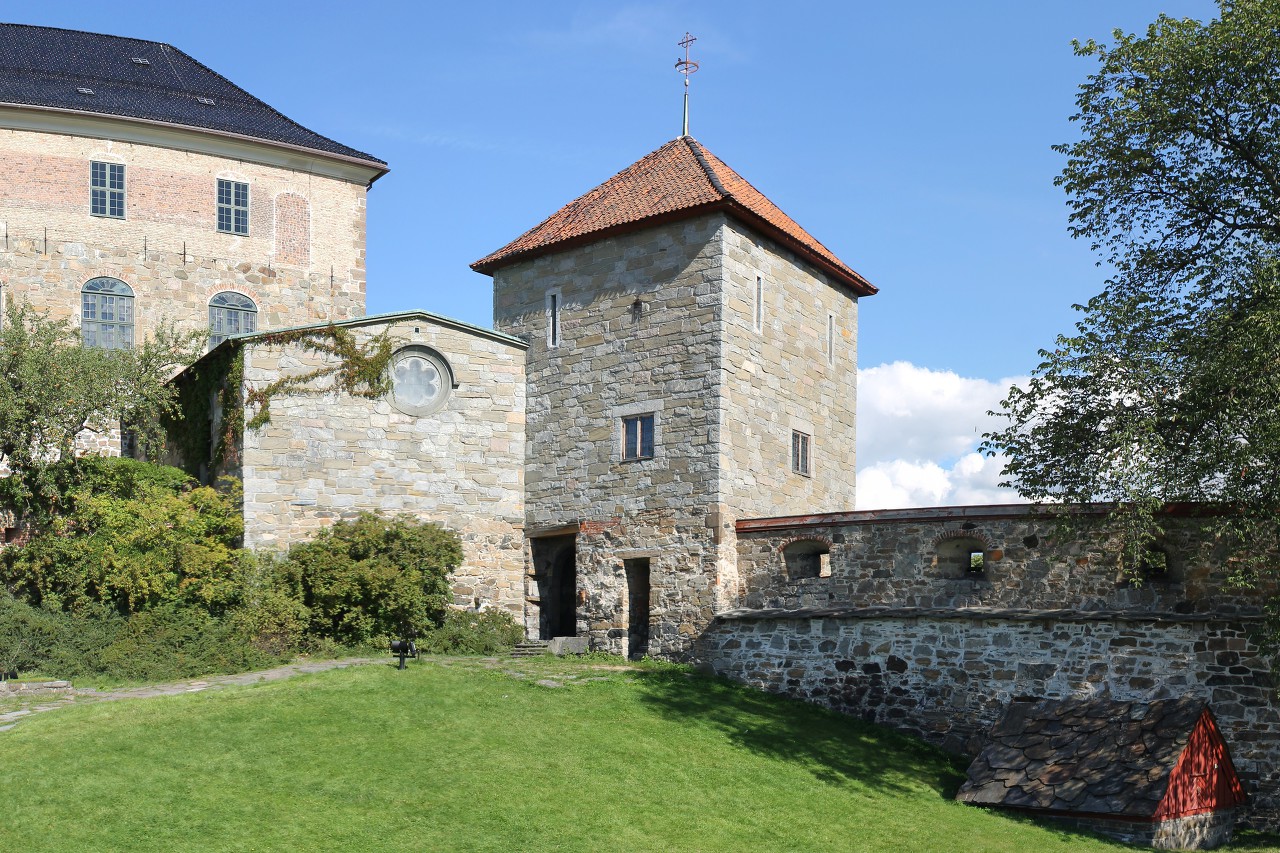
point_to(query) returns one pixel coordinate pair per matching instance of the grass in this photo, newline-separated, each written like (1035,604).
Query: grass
(462,755)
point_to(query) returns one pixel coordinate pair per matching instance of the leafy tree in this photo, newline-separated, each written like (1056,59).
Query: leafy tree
(52,390)
(373,577)
(1169,390)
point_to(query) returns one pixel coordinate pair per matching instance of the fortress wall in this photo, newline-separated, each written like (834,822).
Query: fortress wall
(944,674)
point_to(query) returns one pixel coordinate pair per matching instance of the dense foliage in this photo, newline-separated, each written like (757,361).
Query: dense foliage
(1169,390)
(468,632)
(132,536)
(374,577)
(52,390)
(140,576)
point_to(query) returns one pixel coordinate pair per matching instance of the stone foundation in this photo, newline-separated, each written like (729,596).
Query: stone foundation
(1193,832)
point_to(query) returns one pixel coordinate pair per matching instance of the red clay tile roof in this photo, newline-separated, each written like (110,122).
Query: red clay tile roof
(679,180)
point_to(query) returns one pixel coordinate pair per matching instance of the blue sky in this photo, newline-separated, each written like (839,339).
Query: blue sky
(913,139)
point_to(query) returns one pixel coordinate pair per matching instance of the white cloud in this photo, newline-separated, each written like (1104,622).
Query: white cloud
(918,432)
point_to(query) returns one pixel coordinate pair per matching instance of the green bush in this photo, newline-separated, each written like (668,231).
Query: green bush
(468,632)
(172,642)
(133,536)
(371,578)
(163,644)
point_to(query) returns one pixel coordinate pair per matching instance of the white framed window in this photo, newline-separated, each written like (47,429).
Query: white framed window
(106,314)
(801,452)
(831,339)
(233,207)
(231,313)
(637,436)
(759,308)
(106,189)
(554,300)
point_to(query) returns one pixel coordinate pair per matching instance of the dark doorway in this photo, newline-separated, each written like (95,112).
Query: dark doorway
(637,606)
(555,568)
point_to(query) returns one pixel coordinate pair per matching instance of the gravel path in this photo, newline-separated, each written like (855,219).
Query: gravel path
(73,695)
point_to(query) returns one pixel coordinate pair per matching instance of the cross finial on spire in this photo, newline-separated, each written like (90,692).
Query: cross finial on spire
(686,67)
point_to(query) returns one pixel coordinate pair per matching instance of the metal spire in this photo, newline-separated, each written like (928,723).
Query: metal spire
(686,67)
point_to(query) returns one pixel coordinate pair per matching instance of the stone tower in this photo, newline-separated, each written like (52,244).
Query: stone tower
(692,361)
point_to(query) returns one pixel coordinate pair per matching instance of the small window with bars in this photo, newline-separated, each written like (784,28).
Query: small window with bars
(106,189)
(231,313)
(801,450)
(233,207)
(637,437)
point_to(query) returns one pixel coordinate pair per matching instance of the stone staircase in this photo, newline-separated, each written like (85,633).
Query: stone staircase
(530,649)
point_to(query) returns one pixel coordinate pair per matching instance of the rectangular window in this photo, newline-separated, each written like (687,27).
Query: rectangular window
(553,318)
(637,437)
(106,189)
(801,445)
(233,207)
(831,339)
(759,319)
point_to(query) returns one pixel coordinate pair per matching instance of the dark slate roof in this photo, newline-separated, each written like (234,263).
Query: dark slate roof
(47,67)
(1092,756)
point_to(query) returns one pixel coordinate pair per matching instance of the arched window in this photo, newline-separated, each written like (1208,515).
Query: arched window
(106,314)
(231,313)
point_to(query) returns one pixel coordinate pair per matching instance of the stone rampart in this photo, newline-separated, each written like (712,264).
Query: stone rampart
(945,673)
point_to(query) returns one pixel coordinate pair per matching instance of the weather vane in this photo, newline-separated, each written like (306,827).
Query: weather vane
(686,67)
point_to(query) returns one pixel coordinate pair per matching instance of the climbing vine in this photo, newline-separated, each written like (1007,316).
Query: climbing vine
(217,383)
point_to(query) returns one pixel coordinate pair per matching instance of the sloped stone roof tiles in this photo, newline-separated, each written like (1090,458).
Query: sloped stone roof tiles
(1086,756)
(679,180)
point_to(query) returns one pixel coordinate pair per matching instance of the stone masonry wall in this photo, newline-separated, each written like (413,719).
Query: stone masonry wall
(898,558)
(894,628)
(783,378)
(50,245)
(640,321)
(945,674)
(328,455)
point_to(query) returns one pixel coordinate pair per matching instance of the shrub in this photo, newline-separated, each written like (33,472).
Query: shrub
(172,642)
(468,632)
(372,577)
(133,536)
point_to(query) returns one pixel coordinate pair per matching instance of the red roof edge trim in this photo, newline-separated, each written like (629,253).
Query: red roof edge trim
(859,284)
(491,266)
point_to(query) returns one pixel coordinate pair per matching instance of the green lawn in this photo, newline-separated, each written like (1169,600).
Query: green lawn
(454,756)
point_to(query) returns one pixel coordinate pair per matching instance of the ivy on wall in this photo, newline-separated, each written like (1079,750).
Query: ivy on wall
(216,384)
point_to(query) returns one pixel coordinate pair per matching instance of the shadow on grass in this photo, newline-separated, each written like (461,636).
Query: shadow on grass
(836,749)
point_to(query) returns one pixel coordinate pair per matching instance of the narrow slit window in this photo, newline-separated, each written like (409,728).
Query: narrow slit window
(553,319)
(106,189)
(637,437)
(233,207)
(801,447)
(759,318)
(831,339)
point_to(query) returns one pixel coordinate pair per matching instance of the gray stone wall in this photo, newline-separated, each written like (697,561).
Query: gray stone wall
(640,333)
(945,673)
(783,378)
(329,455)
(900,558)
